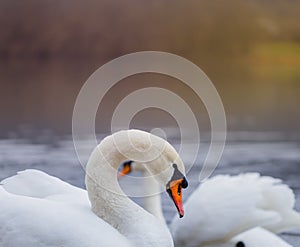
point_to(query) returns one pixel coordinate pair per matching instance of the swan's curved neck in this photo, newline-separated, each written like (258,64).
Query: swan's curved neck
(111,204)
(107,198)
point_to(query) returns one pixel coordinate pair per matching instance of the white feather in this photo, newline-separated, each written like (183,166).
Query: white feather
(225,206)
(40,210)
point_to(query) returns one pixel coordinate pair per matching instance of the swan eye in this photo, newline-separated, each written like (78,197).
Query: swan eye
(240,244)
(184,183)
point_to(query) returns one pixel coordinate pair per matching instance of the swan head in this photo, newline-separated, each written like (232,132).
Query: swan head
(174,188)
(172,177)
(151,152)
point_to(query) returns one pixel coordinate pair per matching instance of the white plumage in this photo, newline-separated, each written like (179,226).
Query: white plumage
(225,206)
(247,209)
(52,214)
(40,210)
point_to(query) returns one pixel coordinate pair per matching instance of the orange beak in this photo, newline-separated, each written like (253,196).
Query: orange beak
(125,170)
(175,192)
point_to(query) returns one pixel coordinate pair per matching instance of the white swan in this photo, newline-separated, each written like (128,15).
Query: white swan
(40,210)
(223,209)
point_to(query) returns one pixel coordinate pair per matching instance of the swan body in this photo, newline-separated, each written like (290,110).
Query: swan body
(40,210)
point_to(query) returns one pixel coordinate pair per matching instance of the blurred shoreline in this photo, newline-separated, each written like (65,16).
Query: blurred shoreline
(172,135)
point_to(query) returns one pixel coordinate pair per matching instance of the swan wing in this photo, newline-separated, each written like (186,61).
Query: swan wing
(38,184)
(221,208)
(278,197)
(33,219)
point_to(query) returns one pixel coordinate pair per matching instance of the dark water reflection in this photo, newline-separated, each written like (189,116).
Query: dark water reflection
(37,94)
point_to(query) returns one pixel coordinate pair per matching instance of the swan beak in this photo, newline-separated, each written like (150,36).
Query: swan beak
(175,192)
(126,169)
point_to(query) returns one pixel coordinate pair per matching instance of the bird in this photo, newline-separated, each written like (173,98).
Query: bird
(41,210)
(228,211)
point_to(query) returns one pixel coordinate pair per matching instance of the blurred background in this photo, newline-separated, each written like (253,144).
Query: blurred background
(249,49)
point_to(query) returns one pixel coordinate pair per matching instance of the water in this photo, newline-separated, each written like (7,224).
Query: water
(279,159)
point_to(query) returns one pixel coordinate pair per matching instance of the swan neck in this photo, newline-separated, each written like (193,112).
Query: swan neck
(108,201)
(152,197)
